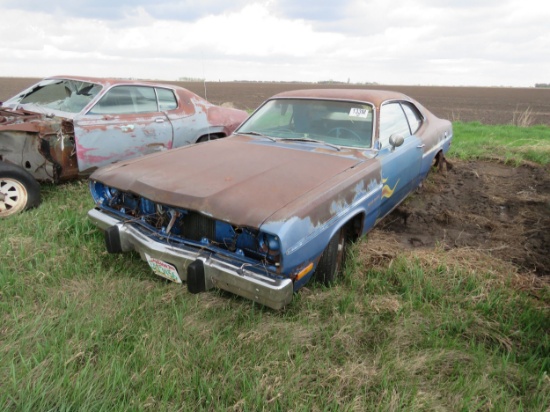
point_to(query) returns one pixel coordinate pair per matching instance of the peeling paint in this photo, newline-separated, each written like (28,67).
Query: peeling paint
(67,145)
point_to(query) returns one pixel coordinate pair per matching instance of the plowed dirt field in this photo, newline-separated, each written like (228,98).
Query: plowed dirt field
(489,105)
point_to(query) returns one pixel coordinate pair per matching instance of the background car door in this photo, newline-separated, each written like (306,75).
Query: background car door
(126,122)
(400,166)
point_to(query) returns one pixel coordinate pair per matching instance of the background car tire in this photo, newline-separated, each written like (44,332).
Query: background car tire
(332,260)
(18,190)
(208,137)
(203,139)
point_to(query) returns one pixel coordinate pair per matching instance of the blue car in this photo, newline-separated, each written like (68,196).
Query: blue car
(264,211)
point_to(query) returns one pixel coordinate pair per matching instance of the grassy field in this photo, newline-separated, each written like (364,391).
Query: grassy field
(509,143)
(84,330)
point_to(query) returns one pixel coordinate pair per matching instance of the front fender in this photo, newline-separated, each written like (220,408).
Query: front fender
(304,239)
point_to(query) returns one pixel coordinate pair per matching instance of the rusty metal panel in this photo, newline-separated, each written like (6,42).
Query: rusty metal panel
(375,97)
(42,145)
(238,172)
(104,139)
(53,149)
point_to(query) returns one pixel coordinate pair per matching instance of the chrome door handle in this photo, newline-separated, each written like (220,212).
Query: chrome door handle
(421,146)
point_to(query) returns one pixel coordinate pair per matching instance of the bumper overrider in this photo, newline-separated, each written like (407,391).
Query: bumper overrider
(201,269)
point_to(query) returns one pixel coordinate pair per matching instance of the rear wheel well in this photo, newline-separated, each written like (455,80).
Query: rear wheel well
(440,162)
(210,136)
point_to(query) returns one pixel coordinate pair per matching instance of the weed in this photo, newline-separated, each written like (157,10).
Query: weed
(523,118)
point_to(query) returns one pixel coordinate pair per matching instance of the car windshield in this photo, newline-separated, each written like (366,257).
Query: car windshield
(57,94)
(340,123)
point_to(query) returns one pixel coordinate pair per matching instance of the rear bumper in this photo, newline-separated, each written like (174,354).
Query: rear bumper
(213,271)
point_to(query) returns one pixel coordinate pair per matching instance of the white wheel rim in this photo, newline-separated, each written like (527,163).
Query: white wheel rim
(13,196)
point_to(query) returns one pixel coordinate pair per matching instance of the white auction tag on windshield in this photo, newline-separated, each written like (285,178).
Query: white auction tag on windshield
(357,112)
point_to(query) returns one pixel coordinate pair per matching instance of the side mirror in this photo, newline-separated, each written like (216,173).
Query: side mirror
(396,140)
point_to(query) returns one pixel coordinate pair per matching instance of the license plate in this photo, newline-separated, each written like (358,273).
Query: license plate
(163,269)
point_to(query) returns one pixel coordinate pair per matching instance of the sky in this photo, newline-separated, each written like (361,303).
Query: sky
(397,42)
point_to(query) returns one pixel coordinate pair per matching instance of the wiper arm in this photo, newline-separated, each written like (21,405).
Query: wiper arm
(258,134)
(308,140)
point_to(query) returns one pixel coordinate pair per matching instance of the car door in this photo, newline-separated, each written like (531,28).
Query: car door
(126,122)
(400,165)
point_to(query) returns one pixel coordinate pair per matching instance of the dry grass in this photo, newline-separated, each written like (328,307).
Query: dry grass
(382,249)
(523,118)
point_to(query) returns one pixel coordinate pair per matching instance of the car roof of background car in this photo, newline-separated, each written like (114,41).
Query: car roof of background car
(377,97)
(109,81)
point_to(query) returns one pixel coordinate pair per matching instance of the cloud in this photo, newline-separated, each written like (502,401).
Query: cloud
(399,42)
(186,10)
(312,10)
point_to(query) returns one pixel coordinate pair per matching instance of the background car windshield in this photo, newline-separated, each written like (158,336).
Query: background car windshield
(334,122)
(58,94)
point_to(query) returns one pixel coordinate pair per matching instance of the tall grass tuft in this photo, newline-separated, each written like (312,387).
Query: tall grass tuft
(523,118)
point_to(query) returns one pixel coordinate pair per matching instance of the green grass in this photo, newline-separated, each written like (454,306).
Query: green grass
(83,330)
(511,144)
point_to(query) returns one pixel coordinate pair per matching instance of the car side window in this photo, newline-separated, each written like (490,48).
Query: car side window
(167,100)
(145,100)
(392,121)
(127,100)
(413,115)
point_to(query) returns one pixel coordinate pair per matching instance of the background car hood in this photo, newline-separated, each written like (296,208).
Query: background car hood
(239,179)
(27,121)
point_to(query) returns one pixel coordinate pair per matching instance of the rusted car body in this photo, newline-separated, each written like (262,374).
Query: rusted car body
(263,211)
(63,128)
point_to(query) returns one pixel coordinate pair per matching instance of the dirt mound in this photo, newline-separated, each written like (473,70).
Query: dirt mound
(492,208)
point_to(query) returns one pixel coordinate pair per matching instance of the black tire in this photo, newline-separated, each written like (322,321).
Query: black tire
(203,139)
(207,138)
(18,190)
(332,260)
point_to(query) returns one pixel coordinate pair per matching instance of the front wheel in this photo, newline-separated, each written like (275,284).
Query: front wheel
(18,190)
(332,260)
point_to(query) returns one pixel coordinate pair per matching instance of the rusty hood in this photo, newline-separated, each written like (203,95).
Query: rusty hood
(27,121)
(241,180)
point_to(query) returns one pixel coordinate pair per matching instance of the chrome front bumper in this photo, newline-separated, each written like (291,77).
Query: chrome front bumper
(217,272)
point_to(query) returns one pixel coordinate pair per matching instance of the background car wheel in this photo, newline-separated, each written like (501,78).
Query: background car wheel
(208,137)
(203,139)
(18,190)
(332,260)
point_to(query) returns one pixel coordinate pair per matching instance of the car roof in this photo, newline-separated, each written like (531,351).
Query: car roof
(110,81)
(377,97)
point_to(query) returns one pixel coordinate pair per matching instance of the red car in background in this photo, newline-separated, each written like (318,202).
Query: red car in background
(64,127)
